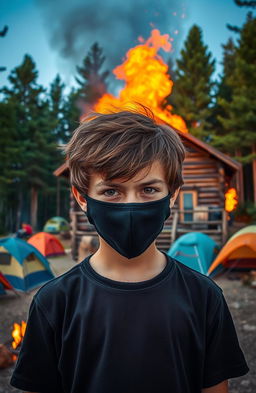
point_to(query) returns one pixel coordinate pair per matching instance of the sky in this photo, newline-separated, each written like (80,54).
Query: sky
(58,33)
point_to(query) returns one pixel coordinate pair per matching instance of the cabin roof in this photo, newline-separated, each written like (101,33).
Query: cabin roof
(233,164)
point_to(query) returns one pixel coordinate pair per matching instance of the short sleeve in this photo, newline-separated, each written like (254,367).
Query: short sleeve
(224,358)
(36,368)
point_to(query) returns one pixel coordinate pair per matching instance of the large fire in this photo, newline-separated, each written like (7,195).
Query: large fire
(146,81)
(18,333)
(231,200)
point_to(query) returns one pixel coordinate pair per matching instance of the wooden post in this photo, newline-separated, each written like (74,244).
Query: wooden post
(240,180)
(174,226)
(241,185)
(224,226)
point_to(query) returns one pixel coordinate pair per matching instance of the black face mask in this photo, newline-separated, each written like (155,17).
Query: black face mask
(129,228)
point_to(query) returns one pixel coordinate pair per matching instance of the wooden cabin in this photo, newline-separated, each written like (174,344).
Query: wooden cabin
(200,206)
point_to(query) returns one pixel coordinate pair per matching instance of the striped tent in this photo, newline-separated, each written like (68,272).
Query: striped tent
(23,265)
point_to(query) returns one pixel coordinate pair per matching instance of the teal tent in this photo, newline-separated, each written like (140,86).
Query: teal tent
(23,265)
(195,250)
(56,225)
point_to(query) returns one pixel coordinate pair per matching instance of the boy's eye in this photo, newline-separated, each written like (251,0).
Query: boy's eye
(149,190)
(110,192)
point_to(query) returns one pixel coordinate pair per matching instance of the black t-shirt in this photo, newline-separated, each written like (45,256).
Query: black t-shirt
(90,334)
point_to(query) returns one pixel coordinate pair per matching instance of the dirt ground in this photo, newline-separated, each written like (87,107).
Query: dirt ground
(240,298)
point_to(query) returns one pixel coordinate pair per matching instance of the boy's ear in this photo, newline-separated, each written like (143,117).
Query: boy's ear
(174,197)
(79,198)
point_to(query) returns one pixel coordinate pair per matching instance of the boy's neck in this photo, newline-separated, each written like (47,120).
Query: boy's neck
(108,263)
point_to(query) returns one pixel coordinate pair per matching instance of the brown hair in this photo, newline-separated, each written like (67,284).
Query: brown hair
(119,145)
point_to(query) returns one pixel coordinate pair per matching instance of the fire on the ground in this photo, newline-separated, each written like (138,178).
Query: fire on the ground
(18,333)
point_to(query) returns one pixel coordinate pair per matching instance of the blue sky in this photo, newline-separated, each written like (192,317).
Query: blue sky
(29,28)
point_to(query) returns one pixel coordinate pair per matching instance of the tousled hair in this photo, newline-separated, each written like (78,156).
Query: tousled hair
(119,145)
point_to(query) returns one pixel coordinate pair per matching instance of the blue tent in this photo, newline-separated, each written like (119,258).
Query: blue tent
(4,284)
(2,290)
(195,250)
(23,265)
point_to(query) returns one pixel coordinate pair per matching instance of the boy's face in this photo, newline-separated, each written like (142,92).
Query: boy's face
(143,187)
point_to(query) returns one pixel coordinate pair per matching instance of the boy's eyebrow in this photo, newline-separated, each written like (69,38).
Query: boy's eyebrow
(109,183)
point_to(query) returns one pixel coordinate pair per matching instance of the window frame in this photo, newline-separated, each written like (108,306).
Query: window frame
(181,203)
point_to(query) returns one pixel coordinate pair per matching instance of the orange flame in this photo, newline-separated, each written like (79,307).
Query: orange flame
(146,81)
(18,333)
(231,199)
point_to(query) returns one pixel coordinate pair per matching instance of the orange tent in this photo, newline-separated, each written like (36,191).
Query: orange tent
(238,252)
(47,244)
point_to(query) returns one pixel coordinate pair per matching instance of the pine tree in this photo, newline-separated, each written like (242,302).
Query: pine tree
(37,144)
(193,85)
(229,54)
(250,3)
(2,34)
(56,109)
(91,79)
(223,90)
(10,171)
(239,118)
(71,112)
(61,112)
(170,99)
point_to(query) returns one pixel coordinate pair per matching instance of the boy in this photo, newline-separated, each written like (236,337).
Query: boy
(128,318)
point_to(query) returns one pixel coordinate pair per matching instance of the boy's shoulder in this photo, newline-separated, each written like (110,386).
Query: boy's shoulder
(59,288)
(197,282)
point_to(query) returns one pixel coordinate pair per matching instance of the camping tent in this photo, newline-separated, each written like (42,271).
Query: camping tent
(248,229)
(195,250)
(23,265)
(239,251)
(56,225)
(4,284)
(47,244)
(2,290)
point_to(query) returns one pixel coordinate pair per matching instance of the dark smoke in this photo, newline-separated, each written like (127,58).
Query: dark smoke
(74,25)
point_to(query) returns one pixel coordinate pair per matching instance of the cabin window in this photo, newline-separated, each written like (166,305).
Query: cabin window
(188,201)
(5,258)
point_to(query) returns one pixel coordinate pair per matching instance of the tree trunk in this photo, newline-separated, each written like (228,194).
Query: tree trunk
(254,172)
(240,179)
(58,197)
(19,210)
(34,204)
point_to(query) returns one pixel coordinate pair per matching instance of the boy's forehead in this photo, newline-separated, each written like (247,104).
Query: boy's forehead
(151,172)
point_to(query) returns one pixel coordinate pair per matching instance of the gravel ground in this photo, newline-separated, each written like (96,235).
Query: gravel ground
(240,298)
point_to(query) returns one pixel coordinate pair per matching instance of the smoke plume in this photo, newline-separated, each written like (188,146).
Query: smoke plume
(73,26)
